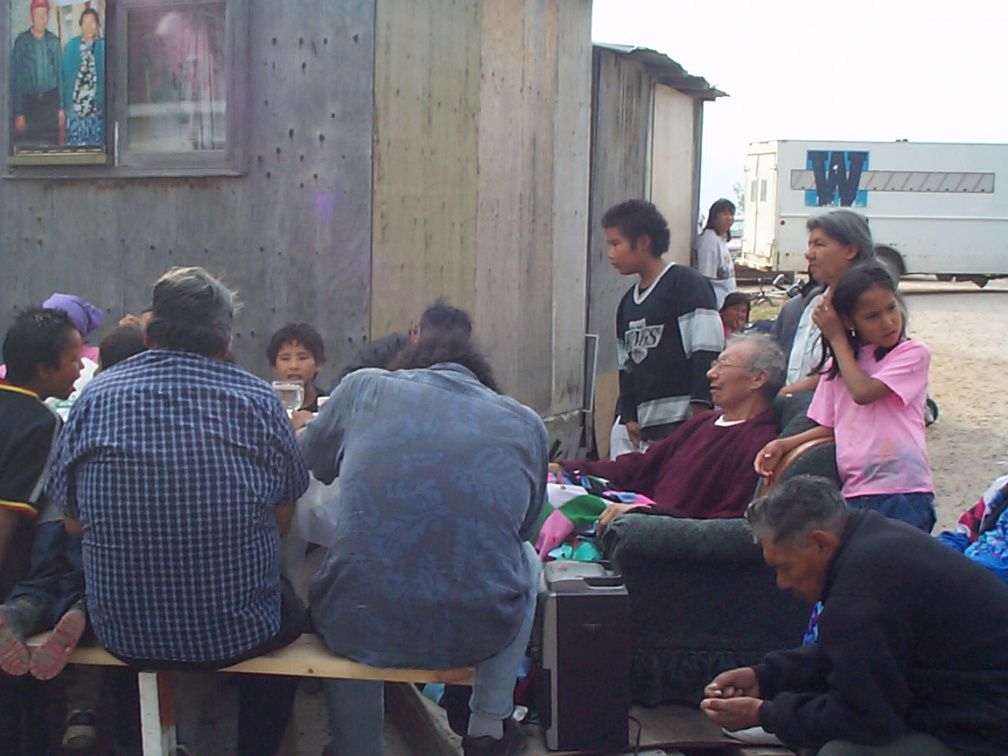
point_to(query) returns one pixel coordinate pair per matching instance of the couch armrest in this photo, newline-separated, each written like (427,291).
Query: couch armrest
(664,538)
(792,462)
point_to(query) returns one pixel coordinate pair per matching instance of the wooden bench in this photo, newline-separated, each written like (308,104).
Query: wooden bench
(305,657)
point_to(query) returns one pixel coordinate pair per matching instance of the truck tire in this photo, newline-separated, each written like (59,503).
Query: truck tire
(891,261)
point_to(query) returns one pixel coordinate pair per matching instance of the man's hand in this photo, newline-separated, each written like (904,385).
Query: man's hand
(735,682)
(611,512)
(768,457)
(19,123)
(633,431)
(732,713)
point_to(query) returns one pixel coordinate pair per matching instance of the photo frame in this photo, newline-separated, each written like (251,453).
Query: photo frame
(57,83)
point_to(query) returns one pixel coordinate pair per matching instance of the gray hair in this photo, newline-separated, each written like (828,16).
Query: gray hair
(192,312)
(846,227)
(795,508)
(767,356)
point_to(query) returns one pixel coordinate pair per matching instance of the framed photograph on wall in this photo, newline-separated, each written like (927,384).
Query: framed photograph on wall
(57,83)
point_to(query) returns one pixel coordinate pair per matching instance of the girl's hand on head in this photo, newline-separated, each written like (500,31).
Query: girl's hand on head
(826,319)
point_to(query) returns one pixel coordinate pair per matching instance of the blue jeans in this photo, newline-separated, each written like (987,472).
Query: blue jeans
(55,578)
(916,509)
(356,707)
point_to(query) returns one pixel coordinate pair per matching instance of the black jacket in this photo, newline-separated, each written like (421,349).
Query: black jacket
(913,637)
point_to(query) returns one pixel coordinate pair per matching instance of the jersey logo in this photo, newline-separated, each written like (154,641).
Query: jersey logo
(640,337)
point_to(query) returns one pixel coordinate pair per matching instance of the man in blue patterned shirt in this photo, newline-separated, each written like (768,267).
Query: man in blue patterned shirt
(182,471)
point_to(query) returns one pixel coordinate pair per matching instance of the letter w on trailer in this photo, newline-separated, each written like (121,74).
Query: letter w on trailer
(932,208)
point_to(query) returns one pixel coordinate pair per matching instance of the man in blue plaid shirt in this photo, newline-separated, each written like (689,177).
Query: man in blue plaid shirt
(182,471)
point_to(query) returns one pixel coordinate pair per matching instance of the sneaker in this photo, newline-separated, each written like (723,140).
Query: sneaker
(48,660)
(514,741)
(81,731)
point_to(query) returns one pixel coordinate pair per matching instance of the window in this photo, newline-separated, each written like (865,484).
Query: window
(762,190)
(160,98)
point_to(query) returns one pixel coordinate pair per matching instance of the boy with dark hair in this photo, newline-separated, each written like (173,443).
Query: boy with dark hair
(296,353)
(42,353)
(668,329)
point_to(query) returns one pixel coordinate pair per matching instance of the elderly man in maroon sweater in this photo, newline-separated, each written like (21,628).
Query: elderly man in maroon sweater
(704,469)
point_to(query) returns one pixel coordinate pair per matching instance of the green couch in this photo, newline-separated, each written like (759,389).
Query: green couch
(701,598)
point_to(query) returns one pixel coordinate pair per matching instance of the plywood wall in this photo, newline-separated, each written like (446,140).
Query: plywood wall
(427,92)
(292,235)
(621,125)
(673,166)
(503,135)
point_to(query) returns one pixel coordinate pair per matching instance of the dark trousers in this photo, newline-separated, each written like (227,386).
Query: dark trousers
(55,579)
(265,702)
(41,118)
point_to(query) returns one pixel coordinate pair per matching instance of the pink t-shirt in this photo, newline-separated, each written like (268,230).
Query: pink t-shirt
(880,446)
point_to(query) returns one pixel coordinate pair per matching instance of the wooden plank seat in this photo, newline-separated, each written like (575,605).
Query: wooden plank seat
(305,657)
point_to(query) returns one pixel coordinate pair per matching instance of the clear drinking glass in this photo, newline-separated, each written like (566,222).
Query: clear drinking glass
(291,394)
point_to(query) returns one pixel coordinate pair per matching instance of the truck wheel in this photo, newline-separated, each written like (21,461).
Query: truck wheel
(891,261)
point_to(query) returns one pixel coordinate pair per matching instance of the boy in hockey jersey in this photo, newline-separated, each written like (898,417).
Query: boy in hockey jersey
(668,330)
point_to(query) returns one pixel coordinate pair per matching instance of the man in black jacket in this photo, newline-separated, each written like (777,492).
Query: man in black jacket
(912,656)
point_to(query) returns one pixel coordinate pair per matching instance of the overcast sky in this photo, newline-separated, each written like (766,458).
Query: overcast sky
(874,70)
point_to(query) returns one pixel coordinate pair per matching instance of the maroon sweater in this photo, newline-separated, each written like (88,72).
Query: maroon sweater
(702,470)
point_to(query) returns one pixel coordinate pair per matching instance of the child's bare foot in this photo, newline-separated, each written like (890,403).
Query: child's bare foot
(13,653)
(48,660)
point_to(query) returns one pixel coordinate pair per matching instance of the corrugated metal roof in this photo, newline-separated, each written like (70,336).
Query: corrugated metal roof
(665,70)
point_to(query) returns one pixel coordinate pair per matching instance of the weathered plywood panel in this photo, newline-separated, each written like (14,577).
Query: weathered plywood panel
(673,166)
(425,176)
(571,176)
(293,235)
(621,111)
(529,276)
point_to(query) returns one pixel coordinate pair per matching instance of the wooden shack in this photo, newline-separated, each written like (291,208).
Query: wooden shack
(371,156)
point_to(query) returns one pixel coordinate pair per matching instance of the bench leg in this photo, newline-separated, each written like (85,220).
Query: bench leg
(157,718)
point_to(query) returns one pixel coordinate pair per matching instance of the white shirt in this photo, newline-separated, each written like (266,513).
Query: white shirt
(713,262)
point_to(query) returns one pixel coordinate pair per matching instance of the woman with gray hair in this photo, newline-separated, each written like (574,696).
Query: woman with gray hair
(838,240)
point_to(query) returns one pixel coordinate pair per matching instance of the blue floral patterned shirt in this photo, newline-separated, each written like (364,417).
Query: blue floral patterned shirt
(441,481)
(173,461)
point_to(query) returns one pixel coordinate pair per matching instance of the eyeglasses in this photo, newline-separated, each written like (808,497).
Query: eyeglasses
(720,364)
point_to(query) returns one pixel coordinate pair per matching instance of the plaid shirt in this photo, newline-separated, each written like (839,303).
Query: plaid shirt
(173,462)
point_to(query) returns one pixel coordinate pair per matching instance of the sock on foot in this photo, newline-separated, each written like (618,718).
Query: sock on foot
(481,726)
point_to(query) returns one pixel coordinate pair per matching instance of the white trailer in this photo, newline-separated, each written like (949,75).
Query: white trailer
(932,208)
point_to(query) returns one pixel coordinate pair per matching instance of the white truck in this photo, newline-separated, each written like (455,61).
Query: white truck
(932,208)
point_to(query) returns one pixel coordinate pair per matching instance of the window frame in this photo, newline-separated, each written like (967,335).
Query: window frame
(119,161)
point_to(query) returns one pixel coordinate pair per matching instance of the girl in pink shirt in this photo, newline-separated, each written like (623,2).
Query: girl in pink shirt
(870,400)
